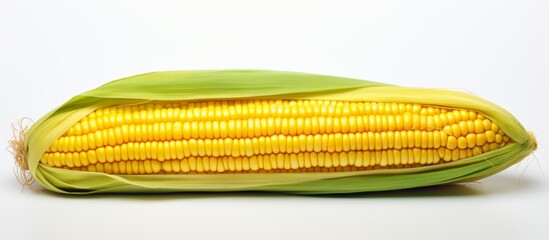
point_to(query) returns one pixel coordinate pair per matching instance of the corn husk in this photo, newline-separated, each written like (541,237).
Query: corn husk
(196,85)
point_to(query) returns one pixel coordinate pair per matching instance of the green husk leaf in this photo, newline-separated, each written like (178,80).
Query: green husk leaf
(223,84)
(193,85)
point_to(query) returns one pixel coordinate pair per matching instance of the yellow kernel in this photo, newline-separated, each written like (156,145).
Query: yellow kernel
(452,142)
(471,140)
(499,138)
(462,143)
(479,126)
(490,136)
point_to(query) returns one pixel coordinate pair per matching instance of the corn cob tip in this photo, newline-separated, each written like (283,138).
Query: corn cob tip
(533,140)
(17,149)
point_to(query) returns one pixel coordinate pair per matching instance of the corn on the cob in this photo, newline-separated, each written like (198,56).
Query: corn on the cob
(271,136)
(343,131)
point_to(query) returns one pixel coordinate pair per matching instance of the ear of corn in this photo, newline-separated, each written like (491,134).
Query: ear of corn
(51,158)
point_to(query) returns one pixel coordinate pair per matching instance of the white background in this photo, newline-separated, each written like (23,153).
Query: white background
(52,50)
